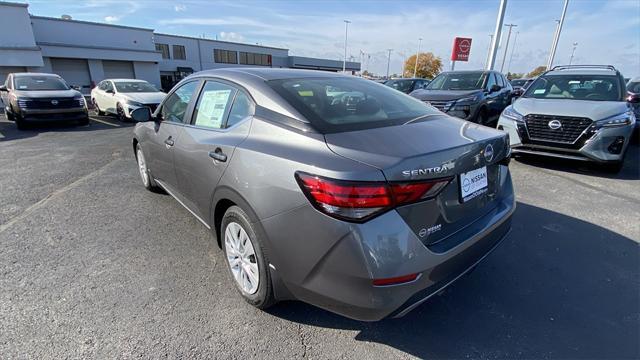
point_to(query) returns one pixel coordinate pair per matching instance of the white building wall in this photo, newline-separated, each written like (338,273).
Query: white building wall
(147,71)
(17,44)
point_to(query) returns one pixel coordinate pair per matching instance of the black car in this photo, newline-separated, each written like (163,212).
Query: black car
(477,96)
(407,85)
(520,86)
(35,97)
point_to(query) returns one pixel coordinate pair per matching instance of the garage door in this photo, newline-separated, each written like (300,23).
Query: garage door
(6,70)
(74,71)
(118,69)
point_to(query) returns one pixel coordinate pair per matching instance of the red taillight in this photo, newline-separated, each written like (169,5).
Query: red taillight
(395,280)
(359,201)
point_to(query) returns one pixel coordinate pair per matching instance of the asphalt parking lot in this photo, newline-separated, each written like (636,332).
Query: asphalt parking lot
(94,266)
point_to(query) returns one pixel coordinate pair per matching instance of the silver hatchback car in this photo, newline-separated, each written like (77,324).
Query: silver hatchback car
(329,189)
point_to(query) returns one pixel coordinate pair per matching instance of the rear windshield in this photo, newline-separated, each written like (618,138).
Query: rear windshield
(576,87)
(31,83)
(402,85)
(458,81)
(633,87)
(347,104)
(518,82)
(134,87)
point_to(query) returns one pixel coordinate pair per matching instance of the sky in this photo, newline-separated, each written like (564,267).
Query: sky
(606,31)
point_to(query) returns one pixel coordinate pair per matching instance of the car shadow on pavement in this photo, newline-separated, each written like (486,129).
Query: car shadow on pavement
(557,287)
(9,131)
(630,170)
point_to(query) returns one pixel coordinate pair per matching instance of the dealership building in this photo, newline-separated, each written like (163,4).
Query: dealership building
(84,53)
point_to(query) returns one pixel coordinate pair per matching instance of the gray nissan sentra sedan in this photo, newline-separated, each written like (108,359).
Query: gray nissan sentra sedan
(329,189)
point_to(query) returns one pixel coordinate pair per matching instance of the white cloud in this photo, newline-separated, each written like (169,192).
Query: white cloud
(180,8)
(230,36)
(111,18)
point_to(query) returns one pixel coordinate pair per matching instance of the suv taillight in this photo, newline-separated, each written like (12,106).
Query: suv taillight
(359,201)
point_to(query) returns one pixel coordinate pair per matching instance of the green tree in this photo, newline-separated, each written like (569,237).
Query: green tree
(537,71)
(429,66)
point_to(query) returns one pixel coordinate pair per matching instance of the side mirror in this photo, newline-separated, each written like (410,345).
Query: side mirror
(142,114)
(75,87)
(109,91)
(3,88)
(632,98)
(495,88)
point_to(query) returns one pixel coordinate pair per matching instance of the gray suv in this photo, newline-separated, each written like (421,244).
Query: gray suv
(575,112)
(36,97)
(326,188)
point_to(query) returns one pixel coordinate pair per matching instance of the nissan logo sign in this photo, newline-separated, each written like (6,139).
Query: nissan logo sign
(554,124)
(54,102)
(488,153)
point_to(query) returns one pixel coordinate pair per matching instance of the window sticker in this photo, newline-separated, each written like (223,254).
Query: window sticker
(212,107)
(539,91)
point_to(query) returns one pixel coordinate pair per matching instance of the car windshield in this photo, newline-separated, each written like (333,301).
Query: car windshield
(576,87)
(458,81)
(31,83)
(518,82)
(347,104)
(402,85)
(633,87)
(134,87)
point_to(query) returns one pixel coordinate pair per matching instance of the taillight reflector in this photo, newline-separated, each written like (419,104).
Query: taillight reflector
(359,201)
(395,280)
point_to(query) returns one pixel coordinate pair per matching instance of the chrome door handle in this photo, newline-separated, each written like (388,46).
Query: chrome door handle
(218,155)
(169,142)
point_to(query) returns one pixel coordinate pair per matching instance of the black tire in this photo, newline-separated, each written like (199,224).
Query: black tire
(9,115)
(120,113)
(83,122)
(96,108)
(20,124)
(482,117)
(263,296)
(150,184)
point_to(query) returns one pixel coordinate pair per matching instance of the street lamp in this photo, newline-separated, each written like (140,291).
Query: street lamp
(506,48)
(515,42)
(346,28)
(575,45)
(415,69)
(556,37)
(388,61)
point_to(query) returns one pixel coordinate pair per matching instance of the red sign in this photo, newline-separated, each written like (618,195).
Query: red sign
(461,49)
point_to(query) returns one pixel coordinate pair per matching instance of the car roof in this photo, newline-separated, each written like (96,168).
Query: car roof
(270,73)
(127,80)
(35,74)
(583,71)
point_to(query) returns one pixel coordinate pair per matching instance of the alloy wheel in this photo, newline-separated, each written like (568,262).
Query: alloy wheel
(242,258)
(142,166)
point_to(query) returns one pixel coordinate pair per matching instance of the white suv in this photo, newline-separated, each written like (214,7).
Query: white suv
(576,112)
(121,96)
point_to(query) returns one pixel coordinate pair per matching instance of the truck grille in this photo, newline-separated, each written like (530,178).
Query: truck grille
(539,128)
(51,103)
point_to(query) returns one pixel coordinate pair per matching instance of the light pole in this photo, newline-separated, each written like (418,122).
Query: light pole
(515,42)
(556,38)
(506,47)
(388,61)
(488,50)
(404,60)
(346,28)
(415,69)
(575,45)
(496,35)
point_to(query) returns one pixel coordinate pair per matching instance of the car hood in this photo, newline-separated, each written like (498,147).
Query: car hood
(443,95)
(145,98)
(35,94)
(594,110)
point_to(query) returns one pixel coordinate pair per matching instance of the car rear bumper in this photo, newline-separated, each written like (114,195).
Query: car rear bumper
(332,264)
(598,148)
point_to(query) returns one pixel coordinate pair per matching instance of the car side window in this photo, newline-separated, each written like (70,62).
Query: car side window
(101,85)
(500,80)
(213,105)
(175,106)
(491,81)
(242,108)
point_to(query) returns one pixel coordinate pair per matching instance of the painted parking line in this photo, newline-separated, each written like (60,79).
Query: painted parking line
(104,122)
